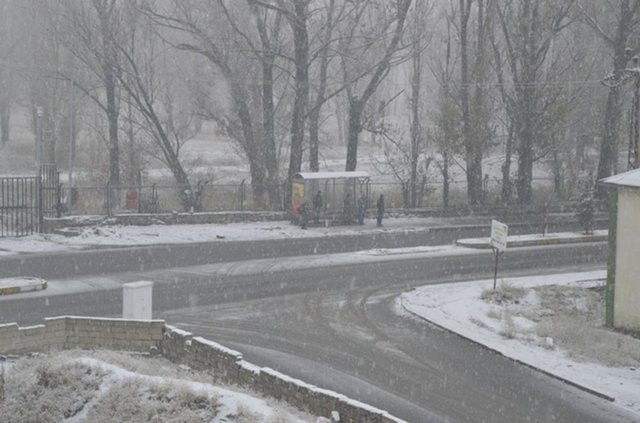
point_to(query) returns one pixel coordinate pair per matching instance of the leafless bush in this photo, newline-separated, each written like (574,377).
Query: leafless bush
(53,392)
(504,293)
(132,401)
(508,325)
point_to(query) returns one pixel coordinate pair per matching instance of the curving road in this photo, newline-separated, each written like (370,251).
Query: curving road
(332,321)
(354,341)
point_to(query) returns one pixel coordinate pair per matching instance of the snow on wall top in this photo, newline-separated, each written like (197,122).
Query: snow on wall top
(626,179)
(331,175)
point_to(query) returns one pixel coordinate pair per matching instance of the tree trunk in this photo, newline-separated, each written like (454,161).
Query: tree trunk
(5,118)
(479,130)
(301,45)
(473,182)
(415,126)
(269,145)
(355,127)
(445,179)
(525,160)
(314,117)
(112,121)
(609,142)
(506,166)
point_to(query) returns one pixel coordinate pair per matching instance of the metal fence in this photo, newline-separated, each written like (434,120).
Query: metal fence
(19,206)
(209,197)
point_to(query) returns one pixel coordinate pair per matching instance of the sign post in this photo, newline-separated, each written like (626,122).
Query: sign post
(498,243)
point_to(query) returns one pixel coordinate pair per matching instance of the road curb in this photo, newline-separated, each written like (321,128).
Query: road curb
(19,285)
(538,369)
(474,242)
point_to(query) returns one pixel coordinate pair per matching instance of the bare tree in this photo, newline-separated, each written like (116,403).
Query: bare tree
(145,74)
(447,131)
(91,32)
(616,38)
(266,50)
(10,45)
(527,46)
(375,74)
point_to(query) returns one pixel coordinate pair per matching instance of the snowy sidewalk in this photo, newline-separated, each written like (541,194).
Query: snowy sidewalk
(127,236)
(459,308)
(537,239)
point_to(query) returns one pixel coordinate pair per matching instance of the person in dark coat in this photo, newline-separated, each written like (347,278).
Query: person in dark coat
(304,215)
(380,209)
(348,210)
(362,208)
(317,207)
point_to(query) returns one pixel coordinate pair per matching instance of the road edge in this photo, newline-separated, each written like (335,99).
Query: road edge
(531,366)
(22,284)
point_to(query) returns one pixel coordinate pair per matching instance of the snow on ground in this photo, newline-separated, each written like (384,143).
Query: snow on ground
(83,386)
(537,237)
(100,236)
(512,324)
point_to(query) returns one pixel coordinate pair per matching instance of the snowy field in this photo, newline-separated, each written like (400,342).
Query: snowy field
(102,386)
(100,236)
(551,322)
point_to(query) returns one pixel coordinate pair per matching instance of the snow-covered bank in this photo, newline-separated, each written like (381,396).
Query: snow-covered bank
(83,386)
(101,236)
(510,325)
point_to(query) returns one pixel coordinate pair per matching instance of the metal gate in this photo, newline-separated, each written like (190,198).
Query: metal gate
(19,206)
(50,186)
(26,200)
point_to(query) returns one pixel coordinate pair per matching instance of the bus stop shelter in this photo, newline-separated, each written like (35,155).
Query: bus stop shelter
(339,191)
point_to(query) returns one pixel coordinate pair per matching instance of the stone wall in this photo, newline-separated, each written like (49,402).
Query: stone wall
(228,366)
(223,364)
(68,332)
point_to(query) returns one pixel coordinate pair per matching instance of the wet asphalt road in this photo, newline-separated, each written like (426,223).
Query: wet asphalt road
(336,326)
(355,342)
(109,260)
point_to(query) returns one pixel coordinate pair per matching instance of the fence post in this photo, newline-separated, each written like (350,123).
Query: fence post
(39,188)
(59,199)
(108,198)
(242,195)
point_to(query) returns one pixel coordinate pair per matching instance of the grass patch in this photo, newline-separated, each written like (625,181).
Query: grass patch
(132,401)
(504,293)
(48,392)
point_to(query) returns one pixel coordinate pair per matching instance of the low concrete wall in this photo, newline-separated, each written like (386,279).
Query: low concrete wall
(68,332)
(53,224)
(223,364)
(228,366)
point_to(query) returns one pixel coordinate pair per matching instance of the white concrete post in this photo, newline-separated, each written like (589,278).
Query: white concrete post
(136,300)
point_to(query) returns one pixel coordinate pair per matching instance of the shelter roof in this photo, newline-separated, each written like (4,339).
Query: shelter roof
(332,175)
(626,179)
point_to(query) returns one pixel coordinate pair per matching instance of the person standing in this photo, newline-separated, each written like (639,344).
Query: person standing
(380,209)
(317,206)
(362,208)
(304,215)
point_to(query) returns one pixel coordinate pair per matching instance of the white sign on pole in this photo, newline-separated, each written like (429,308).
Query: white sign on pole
(499,235)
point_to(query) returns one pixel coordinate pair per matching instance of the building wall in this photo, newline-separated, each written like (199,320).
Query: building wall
(627,285)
